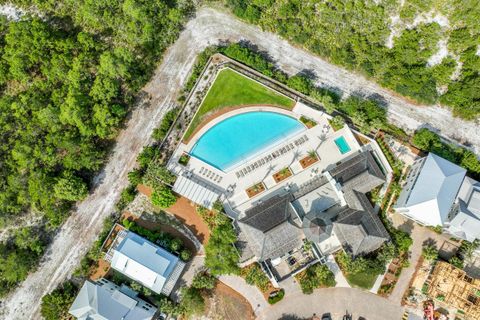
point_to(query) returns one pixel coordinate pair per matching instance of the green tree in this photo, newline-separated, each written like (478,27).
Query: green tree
(204,280)
(29,239)
(156,175)
(191,302)
(221,255)
(316,276)
(55,305)
(430,252)
(456,261)
(70,187)
(163,197)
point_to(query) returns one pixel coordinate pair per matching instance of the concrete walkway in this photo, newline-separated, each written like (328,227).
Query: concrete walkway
(339,277)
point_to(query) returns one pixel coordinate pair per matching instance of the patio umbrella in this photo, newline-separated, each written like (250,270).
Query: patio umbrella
(316,228)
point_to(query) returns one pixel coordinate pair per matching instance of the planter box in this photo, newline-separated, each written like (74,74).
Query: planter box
(255,189)
(308,161)
(282,175)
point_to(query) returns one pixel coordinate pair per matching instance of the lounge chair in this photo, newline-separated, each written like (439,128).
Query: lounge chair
(237,174)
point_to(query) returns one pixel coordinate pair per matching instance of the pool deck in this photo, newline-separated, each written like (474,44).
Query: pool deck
(319,138)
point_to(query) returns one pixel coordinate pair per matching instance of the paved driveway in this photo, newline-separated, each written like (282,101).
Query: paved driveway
(336,301)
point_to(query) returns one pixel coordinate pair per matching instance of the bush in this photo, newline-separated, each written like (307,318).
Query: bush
(185,255)
(430,252)
(337,122)
(456,261)
(55,305)
(167,121)
(163,197)
(147,155)
(127,196)
(135,177)
(315,276)
(255,276)
(272,299)
(204,280)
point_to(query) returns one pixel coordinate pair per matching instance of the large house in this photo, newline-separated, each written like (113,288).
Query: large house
(437,192)
(333,217)
(104,300)
(144,262)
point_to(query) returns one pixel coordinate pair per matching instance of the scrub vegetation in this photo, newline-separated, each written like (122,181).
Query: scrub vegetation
(67,83)
(357,35)
(231,89)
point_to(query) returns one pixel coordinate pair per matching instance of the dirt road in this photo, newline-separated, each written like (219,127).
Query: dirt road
(208,27)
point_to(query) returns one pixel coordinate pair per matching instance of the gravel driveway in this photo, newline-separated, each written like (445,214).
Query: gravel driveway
(208,27)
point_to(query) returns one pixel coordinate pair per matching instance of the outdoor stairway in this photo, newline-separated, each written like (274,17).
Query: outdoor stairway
(118,239)
(172,279)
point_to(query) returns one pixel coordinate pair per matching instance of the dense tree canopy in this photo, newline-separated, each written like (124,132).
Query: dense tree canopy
(65,90)
(357,34)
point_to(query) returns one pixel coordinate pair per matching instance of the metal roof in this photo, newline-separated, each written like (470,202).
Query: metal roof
(143,261)
(434,192)
(196,191)
(103,300)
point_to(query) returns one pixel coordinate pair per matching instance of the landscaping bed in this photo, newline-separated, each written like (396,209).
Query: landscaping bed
(254,275)
(308,160)
(282,174)
(310,123)
(233,89)
(255,189)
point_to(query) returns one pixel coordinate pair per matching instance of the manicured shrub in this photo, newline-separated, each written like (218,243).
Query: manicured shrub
(272,299)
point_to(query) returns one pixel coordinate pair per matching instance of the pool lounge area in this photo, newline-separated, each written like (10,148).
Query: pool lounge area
(232,174)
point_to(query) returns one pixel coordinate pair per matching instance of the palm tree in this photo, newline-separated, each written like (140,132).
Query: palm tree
(312,154)
(285,171)
(257,187)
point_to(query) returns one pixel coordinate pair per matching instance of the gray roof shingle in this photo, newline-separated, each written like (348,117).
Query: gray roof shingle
(270,229)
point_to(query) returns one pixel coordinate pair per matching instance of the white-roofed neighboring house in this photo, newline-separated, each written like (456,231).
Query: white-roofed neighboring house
(145,262)
(437,192)
(104,300)
(431,189)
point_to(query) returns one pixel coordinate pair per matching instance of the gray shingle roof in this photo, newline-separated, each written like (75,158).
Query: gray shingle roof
(270,229)
(316,227)
(357,226)
(360,231)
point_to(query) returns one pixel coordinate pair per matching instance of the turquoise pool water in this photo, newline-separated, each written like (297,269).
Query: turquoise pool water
(239,137)
(342,145)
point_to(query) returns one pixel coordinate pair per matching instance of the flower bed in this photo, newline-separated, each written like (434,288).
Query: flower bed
(310,123)
(282,174)
(255,189)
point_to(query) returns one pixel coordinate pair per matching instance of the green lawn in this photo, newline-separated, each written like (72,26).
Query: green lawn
(363,280)
(232,89)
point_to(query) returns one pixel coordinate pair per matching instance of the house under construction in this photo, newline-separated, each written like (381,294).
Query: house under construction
(454,288)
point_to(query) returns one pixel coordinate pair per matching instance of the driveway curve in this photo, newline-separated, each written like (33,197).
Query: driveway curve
(209,27)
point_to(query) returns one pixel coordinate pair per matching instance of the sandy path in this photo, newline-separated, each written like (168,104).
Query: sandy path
(208,27)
